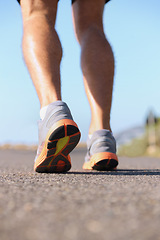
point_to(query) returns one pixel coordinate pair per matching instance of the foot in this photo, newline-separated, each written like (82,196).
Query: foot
(101,152)
(58,136)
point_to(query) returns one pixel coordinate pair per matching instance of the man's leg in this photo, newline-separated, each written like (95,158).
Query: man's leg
(97,64)
(58,133)
(42,48)
(97,60)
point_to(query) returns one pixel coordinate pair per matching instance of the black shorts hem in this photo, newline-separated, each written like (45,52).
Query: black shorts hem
(72,1)
(75,0)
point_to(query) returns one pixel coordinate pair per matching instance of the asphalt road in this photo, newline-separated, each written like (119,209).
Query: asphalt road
(79,205)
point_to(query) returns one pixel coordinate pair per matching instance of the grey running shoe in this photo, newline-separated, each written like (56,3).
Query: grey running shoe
(58,136)
(101,151)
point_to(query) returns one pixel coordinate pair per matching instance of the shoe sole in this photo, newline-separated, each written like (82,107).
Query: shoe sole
(61,139)
(104,161)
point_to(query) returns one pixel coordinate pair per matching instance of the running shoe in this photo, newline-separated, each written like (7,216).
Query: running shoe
(58,136)
(101,152)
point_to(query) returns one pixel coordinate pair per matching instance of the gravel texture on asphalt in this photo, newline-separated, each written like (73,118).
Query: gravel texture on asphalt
(79,205)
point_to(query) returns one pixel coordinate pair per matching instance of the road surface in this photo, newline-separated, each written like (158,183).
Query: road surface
(79,205)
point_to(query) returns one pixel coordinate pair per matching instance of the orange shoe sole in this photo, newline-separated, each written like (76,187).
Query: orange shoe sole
(104,161)
(61,139)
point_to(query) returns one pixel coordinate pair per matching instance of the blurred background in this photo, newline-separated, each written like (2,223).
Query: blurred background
(132,28)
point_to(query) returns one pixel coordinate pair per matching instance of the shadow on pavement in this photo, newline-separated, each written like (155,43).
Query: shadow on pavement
(121,172)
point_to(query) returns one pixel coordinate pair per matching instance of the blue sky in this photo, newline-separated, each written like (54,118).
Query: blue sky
(132,28)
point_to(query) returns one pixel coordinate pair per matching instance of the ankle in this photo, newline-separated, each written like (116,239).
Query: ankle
(49,99)
(94,128)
